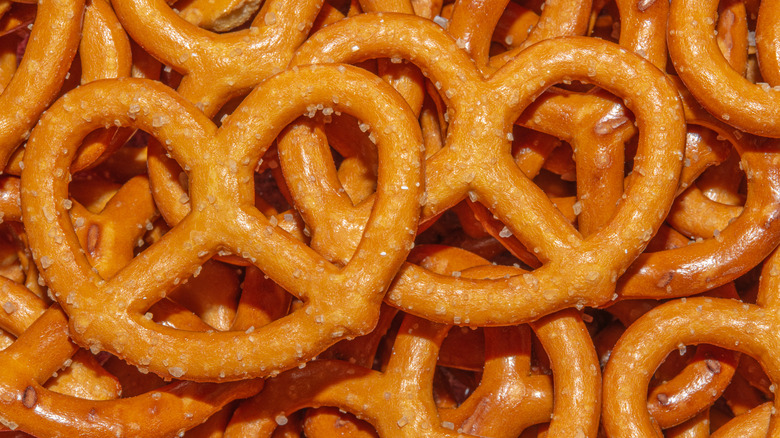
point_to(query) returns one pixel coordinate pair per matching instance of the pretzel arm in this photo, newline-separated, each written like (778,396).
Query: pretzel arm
(737,248)
(39,76)
(723,91)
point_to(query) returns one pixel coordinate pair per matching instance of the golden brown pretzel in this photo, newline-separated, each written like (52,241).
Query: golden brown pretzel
(767,31)
(487,172)
(30,407)
(506,383)
(729,253)
(59,406)
(472,24)
(262,50)
(210,61)
(105,52)
(40,74)
(218,186)
(399,402)
(723,91)
(728,323)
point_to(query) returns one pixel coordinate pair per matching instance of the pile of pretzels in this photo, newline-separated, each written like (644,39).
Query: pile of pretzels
(389,218)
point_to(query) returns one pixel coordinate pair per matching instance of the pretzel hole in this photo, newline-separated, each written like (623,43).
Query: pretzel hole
(12,253)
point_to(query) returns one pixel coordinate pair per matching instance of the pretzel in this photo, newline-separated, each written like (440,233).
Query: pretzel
(471,19)
(277,30)
(82,377)
(731,251)
(706,73)
(104,52)
(414,350)
(462,170)
(749,328)
(320,322)
(56,413)
(40,74)
(598,184)
(505,382)
(361,351)
(207,60)
(81,389)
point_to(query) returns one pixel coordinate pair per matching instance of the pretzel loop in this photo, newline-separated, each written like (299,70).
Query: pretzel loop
(726,323)
(723,91)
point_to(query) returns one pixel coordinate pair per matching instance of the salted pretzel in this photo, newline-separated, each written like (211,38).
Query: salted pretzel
(723,91)
(398,401)
(485,171)
(748,328)
(506,383)
(81,375)
(405,78)
(105,52)
(471,19)
(262,50)
(82,389)
(688,383)
(361,351)
(66,399)
(600,184)
(30,407)
(731,251)
(51,47)
(207,60)
(218,187)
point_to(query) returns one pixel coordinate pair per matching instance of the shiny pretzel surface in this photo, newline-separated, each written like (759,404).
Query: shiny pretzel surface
(380,218)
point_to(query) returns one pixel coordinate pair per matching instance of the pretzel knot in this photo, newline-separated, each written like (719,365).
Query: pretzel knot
(339,301)
(476,162)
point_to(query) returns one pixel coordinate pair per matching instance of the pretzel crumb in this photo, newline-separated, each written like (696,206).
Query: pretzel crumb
(9,307)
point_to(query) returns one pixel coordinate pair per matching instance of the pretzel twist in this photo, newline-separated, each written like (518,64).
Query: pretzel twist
(208,60)
(736,249)
(148,106)
(488,173)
